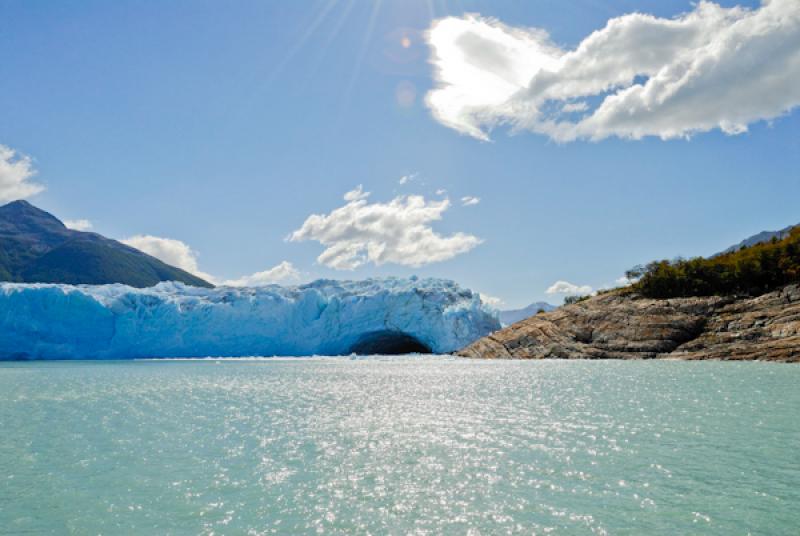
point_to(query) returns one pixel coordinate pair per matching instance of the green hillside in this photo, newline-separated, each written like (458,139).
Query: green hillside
(35,247)
(752,270)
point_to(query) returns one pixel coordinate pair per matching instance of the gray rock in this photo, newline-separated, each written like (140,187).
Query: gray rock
(619,326)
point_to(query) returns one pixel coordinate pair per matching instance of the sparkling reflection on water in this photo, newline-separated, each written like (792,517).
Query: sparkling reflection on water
(427,445)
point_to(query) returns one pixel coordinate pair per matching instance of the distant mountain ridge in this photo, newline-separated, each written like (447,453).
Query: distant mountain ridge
(763,236)
(36,247)
(515,315)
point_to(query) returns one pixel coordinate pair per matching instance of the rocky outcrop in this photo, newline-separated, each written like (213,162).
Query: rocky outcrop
(616,326)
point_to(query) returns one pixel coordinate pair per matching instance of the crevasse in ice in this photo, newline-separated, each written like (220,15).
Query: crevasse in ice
(326,317)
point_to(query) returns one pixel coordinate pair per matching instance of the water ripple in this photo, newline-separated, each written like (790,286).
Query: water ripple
(412,446)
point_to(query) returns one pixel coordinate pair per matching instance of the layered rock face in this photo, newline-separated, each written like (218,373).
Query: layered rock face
(613,326)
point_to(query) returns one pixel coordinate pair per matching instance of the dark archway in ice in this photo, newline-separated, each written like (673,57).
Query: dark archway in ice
(388,342)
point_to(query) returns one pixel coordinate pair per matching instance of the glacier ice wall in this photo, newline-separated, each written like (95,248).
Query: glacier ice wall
(49,321)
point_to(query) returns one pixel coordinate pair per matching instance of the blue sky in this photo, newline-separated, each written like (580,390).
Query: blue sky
(227,127)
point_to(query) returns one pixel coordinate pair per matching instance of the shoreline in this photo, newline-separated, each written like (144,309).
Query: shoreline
(627,327)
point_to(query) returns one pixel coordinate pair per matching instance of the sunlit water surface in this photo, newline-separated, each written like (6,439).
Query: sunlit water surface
(411,445)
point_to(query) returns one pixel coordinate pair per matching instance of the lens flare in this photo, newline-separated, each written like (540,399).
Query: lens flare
(406,94)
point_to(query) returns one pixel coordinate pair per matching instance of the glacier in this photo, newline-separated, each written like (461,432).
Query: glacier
(325,317)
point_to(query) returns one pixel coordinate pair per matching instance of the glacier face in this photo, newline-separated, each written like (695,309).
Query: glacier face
(326,317)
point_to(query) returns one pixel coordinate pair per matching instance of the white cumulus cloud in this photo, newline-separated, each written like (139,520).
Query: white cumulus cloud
(624,281)
(710,68)
(491,301)
(78,225)
(16,174)
(470,200)
(282,273)
(171,251)
(396,232)
(181,255)
(569,289)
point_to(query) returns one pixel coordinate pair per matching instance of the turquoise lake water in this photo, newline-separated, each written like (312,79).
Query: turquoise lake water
(399,446)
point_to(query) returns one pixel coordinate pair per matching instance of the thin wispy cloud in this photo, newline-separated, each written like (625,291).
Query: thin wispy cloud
(640,75)
(405,179)
(397,232)
(469,200)
(16,176)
